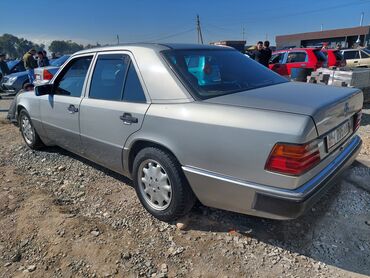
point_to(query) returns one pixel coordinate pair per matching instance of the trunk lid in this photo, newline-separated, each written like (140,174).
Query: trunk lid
(328,106)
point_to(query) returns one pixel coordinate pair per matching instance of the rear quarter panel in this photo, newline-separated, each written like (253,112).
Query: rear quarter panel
(232,141)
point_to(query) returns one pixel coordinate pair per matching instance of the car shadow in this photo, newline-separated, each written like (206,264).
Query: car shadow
(331,232)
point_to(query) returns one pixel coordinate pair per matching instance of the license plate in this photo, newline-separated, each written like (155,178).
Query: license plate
(338,134)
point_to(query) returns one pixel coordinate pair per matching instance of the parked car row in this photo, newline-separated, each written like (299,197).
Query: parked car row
(15,81)
(283,61)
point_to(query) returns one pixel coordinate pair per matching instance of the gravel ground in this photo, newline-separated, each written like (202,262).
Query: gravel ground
(63,216)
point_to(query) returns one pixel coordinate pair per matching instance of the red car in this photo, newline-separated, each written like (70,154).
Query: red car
(283,61)
(334,58)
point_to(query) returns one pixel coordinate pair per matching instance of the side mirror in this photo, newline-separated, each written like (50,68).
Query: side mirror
(46,89)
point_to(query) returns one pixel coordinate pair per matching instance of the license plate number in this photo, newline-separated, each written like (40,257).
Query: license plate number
(338,134)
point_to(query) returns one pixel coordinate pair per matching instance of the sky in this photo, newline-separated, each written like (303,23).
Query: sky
(92,21)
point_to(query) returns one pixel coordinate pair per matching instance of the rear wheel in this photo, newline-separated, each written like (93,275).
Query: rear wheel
(160,184)
(29,134)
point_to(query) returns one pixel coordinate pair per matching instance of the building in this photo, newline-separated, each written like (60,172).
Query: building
(347,38)
(238,45)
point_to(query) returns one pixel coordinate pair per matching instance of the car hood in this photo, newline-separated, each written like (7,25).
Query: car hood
(327,105)
(17,74)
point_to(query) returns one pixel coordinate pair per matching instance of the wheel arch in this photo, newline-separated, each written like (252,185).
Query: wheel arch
(140,144)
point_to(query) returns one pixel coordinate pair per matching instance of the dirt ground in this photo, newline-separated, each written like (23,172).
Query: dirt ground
(63,216)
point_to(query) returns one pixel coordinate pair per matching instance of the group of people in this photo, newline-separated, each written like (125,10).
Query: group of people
(262,54)
(30,63)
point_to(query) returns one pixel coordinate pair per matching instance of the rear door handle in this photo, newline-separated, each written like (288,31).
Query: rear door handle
(355,62)
(128,119)
(72,109)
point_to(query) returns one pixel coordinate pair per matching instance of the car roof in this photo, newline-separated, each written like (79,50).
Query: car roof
(153,46)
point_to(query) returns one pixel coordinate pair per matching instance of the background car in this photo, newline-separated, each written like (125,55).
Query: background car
(357,58)
(12,83)
(334,58)
(45,74)
(283,61)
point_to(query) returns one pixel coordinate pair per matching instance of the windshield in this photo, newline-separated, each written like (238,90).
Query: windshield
(321,57)
(60,61)
(211,73)
(12,64)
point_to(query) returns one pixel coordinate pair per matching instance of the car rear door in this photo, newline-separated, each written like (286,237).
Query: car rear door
(113,109)
(296,59)
(60,109)
(365,59)
(277,63)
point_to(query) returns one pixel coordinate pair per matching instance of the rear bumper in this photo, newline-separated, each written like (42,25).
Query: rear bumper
(215,190)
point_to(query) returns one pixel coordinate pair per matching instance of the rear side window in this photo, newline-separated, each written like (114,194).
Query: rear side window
(133,90)
(296,57)
(320,56)
(109,75)
(351,55)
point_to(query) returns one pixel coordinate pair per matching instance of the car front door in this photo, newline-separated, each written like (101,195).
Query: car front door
(352,58)
(60,109)
(113,109)
(277,63)
(296,59)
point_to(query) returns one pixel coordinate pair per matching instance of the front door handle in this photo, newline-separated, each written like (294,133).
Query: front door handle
(72,109)
(355,62)
(128,119)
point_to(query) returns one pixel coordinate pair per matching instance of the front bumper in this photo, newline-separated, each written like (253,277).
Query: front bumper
(215,190)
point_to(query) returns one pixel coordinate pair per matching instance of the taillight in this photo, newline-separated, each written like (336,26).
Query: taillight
(357,120)
(293,159)
(47,75)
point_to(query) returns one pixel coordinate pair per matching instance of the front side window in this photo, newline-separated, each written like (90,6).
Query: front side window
(296,57)
(214,72)
(364,55)
(349,55)
(71,80)
(109,74)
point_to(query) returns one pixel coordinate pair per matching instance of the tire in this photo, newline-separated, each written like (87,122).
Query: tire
(29,134)
(161,185)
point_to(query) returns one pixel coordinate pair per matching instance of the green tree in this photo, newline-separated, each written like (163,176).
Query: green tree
(65,47)
(15,47)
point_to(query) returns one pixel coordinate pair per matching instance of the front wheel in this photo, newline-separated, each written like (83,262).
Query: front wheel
(160,184)
(29,134)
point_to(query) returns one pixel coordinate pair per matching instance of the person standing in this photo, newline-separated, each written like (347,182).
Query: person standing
(3,65)
(257,54)
(30,64)
(42,61)
(268,52)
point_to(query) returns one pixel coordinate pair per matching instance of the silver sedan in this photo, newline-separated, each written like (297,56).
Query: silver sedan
(188,122)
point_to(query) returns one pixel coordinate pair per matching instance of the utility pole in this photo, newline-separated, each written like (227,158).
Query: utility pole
(117,39)
(243,32)
(321,27)
(362,18)
(199,31)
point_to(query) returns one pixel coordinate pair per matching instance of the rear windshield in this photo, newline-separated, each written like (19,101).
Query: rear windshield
(319,55)
(60,61)
(211,73)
